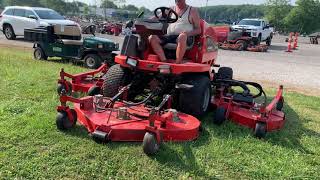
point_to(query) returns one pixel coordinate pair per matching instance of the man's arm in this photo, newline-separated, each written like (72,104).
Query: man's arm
(195,20)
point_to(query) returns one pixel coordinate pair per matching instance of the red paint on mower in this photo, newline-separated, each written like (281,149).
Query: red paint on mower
(82,82)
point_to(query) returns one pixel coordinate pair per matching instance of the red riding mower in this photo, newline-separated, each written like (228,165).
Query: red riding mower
(241,41)
(143,99)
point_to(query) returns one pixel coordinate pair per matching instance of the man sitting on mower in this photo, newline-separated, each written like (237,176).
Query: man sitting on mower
(181,32)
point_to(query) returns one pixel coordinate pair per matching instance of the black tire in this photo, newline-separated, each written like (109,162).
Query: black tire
(38,54)
(94,90)
(279,105)
(260,130)
(219,116)
(9,32)
(62,121)
(92,61)
(114,79)
(100,140)
(257,40)
(244,45)
(150,144)
(268,41)
(196,101)
(225,73)
(60,87)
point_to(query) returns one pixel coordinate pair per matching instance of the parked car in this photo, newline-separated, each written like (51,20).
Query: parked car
(14,19)
(259,29)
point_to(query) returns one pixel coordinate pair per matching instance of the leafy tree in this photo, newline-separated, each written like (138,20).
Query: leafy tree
(231,13)
(86,10)
(130,8)
(22,3)
(108,4)
(276,11)
(305,17)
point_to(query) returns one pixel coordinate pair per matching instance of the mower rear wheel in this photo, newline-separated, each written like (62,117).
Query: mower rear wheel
(243,45)
(63,122)
(62,86)
(114,79)
(92,61)
(219,116)
(150,144)
(38,54)
(261,130)
(94,90)
(196,101)
(225,73)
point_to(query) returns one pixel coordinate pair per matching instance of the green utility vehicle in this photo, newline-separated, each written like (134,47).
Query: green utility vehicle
(66,42)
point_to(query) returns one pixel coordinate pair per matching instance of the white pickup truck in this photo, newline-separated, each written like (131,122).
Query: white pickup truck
(258,29)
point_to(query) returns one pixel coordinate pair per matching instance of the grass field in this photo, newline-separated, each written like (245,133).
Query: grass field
(32,148)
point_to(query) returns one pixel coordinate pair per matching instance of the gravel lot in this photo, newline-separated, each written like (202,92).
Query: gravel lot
(297,71)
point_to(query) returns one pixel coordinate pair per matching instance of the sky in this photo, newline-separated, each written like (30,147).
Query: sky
(152,4)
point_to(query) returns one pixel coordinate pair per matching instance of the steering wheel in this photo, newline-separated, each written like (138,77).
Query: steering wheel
(166,15)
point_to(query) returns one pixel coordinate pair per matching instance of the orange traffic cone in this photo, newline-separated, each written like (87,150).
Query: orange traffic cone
(289,43)
(295,44)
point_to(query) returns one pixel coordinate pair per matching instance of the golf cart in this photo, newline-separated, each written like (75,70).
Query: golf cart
(51,42)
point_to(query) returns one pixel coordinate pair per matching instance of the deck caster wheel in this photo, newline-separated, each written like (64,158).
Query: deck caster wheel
(150,144)
(279,105)
(63,122)
(100,137)
(62,86)
(94,90)
(261,130)
(219,116)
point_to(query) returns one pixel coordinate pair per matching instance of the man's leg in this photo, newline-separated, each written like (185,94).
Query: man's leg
(155,41)
(182,47)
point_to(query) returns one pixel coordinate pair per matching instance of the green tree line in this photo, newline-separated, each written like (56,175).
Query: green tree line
(304,17)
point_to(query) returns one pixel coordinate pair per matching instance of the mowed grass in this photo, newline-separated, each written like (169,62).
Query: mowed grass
(32,148)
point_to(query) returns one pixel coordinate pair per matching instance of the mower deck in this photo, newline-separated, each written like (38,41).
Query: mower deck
(243,110)
(185,128)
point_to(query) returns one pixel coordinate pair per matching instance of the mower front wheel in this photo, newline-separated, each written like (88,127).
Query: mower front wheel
(92,61)
(261,130)
(114,79)
(219,116)
(38,54)
(196,101)
(63,122)
(150,144)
